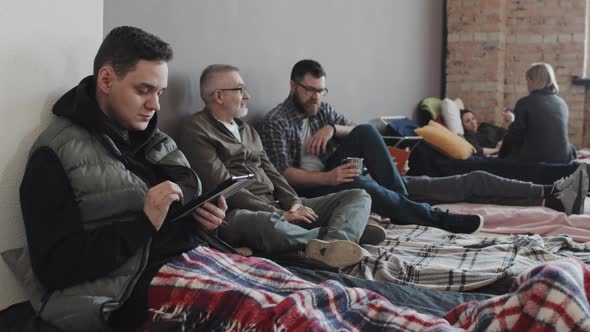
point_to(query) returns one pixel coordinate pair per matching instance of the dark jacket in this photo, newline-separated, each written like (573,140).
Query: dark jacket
(82,199)
(539,132)
(487,136)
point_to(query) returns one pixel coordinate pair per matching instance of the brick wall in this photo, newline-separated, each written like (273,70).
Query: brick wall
(491,44)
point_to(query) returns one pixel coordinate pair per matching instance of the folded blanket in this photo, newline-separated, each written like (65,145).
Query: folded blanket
(527,220)
(208,290)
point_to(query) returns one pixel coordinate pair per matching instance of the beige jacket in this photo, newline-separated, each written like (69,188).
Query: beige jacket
(215,154)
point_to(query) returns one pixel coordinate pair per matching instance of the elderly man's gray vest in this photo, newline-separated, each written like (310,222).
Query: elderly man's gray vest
(105,190)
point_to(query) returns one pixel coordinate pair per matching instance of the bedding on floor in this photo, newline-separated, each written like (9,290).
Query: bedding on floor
(426,301)
(208,290)
(527,220)
(424,160)
(435,259)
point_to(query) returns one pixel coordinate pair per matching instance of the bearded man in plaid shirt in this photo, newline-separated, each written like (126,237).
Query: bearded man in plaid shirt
(307,140)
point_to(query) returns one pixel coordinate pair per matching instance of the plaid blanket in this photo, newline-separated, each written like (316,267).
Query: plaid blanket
(433,258)
(208,290)
(549,297)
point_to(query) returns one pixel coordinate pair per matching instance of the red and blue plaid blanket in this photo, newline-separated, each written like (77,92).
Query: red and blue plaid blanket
(212,291)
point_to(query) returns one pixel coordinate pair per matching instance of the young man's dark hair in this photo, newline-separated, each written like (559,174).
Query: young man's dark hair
(307,66)
(124,46)
(465,111)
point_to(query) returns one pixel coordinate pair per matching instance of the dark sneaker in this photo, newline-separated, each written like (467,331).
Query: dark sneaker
(373,235)
(338,253)
(572,190)
(461,223)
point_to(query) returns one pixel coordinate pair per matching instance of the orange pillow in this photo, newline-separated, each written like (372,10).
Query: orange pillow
(445,141)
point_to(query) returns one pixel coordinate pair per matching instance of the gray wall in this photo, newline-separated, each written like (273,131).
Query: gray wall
(42,57)
(381,56)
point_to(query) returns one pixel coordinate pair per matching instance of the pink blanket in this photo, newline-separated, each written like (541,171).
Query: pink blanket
(526,220)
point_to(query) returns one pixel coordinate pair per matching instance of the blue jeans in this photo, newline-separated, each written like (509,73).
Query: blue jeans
(341,216)
(386,187)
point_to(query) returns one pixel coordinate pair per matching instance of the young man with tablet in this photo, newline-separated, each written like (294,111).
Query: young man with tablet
(97,188)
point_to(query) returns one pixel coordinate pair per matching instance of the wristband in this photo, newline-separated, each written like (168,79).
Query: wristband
(333,127)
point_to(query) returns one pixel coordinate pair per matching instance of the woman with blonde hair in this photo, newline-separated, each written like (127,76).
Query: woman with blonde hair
(539,130)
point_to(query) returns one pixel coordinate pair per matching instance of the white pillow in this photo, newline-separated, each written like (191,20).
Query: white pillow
(459,103)
(451,114)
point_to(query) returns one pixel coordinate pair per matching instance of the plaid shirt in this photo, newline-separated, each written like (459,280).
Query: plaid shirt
(281,132)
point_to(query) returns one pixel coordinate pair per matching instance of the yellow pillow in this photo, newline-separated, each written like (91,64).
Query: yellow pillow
(445,141)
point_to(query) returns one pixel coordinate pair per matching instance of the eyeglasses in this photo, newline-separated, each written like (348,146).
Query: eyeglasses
(242,89)
(310,91)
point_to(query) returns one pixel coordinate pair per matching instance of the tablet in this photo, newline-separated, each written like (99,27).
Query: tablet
(226,188)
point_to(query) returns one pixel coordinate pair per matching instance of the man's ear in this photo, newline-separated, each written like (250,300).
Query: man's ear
(104,80)
(217,97)
(293,86)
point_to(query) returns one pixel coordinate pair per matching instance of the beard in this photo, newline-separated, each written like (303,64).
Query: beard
(241,112)
(309,108)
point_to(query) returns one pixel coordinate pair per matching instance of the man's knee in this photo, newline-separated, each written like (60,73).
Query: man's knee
(475,181)
(249,227)
(257,219)
(359,196)
(366,130)
(481,177)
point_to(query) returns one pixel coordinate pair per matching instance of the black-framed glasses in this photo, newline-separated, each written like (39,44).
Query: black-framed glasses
(242,89)
(310,91)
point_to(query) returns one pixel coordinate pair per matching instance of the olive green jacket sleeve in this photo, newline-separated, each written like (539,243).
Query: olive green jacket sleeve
(284,193)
